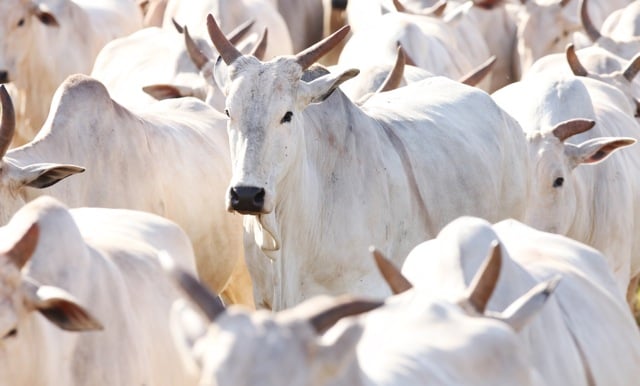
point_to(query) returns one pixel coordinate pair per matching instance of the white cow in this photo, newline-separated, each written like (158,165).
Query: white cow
(292,154)
(54,259)
(593,204)
(170,159)
(417,338)
(584,336)
(232,13)
(547,27)
(44,41)
(624,23)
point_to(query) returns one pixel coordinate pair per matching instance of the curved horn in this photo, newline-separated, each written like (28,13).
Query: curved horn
(209,303)
(587,24)
(399,7)
(391,274)
(485,280)
(260,48)
(326,318)
(566,129)
(178,26)
(22,250)
(394,78)
(311,54)
(407,58)
(477,75)
(8,124)
(574,63)
(228,51)
(632,69)
(197,57)
(240,32)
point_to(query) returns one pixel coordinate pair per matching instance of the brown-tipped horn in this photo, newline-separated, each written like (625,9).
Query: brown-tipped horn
(326,318)
(391,274)
(227,51)
(477,75)
(209,303)
(398,6)
(261,48)
(574,63)
(23,249)
(407,58)
(394,78)
(197,56)
(587,24)
(8,124)
(178,26)
(240,32)
(632,69)
(566,129)
(311,54)
(486,279)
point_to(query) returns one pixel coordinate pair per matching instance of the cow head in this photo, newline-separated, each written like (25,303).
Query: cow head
(542,29)
(14,176)
(554,192)
(264,105)
(20,21)
(20,295)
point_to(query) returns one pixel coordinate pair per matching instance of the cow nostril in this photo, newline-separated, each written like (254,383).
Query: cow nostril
(259,198)
(4,77)
(233,195)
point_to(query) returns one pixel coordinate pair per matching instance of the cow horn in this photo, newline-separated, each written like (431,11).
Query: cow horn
(564,3)
(632,69)
(311,54)
(436,10)
(392,275)
(207,302)
(227,50)
(197,56)
(574,63)
(178,27)
(486,4)
(566,129)
(23,249)
(485,280)
(260,49)
(326,318)
(394,78)
(240,31)
(477,75)
(8,125)
(399,7)
(587,24)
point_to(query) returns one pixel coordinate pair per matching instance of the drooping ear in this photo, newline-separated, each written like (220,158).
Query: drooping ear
(320,88)
(187,329)
(596,150)
(168,91)
(336,350)
(44,14)
(59,307)
(43,175)
(20,251)
(523,309)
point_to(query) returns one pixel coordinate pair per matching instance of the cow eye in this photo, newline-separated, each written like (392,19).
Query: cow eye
(226,111)
(13,332)
(558,182)
(287,117)
(21,22)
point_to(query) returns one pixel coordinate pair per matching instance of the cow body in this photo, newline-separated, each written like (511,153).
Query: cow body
(107,259)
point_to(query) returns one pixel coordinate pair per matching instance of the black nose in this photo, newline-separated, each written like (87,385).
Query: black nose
(247,199)
(4,76)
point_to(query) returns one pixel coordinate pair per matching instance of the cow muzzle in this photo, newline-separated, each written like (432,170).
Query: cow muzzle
(4,76)
(246,200)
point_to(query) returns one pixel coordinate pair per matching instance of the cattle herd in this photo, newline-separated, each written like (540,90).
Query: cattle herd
(319,192)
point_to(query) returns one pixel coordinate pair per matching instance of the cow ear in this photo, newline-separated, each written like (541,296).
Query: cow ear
(596,149)
(336,349)
(59,307)
(221,75)
(42,12)
(523,309)
(168,91)
(188,327)
(46,174)
(320,88)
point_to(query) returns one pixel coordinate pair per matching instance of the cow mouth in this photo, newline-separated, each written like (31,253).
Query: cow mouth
(265,235)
